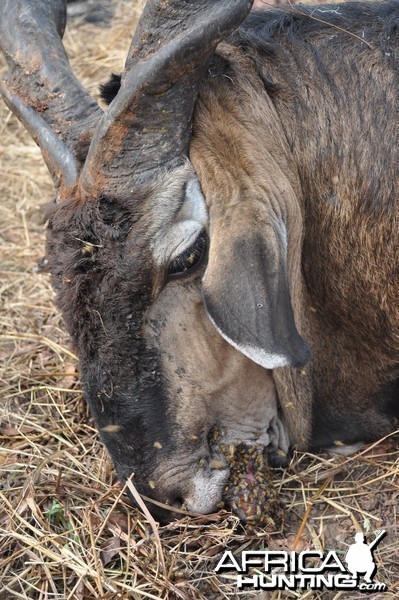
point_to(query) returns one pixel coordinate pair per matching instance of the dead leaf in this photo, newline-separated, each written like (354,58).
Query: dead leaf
(110,549)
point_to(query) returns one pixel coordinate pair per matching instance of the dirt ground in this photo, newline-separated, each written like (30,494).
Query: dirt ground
(67,530)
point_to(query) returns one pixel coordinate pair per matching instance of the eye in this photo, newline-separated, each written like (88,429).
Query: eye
(190,257)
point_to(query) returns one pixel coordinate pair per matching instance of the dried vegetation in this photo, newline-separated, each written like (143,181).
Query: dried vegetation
(66,528)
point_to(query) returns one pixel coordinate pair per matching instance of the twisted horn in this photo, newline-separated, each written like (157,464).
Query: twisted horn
(147,126)
(41,88)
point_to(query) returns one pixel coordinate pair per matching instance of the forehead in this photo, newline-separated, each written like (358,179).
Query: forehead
(171,216)
(173,193)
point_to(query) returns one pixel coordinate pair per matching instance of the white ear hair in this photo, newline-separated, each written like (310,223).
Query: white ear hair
(257,355)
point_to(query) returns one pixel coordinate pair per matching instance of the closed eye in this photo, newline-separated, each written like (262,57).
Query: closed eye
(190,258)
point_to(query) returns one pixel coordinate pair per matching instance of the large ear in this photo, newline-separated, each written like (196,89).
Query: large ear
(246,290)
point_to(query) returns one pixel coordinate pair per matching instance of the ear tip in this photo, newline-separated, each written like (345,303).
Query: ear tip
(301,355)
(299,363)
(277,358)
(269,346)
(295,350)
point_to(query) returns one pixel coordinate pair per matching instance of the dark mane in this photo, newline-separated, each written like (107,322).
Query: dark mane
(263,30)
(109,89)
(368,20)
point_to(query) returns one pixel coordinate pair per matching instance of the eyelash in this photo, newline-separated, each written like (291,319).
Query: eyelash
(190,258)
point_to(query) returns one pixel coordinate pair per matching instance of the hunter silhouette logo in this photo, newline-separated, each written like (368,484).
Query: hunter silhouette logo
(360,556)
(310,569)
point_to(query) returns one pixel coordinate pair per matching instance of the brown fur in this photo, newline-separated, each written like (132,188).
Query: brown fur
(338,150)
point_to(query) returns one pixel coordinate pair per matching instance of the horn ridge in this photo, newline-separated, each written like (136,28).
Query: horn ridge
(41,88)
(148,124)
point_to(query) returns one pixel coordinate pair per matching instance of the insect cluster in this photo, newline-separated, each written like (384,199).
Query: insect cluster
(249,492)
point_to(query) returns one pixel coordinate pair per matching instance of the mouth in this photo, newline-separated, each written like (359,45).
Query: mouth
(249,492)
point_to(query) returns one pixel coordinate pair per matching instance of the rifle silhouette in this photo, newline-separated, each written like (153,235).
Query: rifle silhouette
(377,540)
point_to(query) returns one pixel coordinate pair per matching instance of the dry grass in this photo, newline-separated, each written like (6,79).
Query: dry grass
(66,528)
